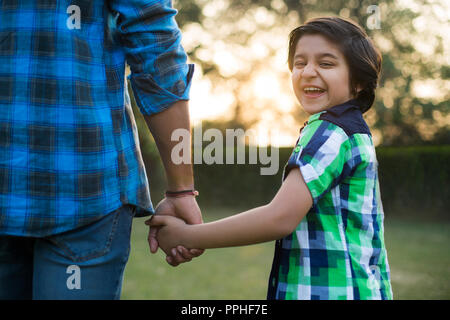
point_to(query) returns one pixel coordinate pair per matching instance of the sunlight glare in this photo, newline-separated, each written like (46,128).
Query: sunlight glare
(266,86)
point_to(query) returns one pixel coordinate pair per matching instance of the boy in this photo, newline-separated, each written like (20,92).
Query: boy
(328,211)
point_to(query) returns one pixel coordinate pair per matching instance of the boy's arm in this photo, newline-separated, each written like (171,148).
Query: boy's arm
(266,223)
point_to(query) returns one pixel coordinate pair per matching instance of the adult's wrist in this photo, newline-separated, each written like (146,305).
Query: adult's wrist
(181,193)
(180,184)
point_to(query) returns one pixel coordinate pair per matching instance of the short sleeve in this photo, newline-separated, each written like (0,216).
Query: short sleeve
(323,155)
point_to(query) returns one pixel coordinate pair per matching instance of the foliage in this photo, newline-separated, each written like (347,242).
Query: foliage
(234,41)
(415,179)
(412,179)
(409,177)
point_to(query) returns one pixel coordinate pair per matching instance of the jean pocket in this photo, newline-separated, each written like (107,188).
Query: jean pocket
(91,241)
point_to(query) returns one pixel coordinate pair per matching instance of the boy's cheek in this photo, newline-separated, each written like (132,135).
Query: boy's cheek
(295,82)
(295,77)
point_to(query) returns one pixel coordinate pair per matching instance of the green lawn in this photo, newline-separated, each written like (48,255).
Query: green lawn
(418,254)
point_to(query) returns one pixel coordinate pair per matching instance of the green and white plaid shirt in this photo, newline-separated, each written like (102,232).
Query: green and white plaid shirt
(337,251)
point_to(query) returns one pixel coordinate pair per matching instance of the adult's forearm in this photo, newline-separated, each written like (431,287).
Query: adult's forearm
(162,125)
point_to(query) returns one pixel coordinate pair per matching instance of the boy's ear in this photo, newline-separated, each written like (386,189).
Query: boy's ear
(358,88)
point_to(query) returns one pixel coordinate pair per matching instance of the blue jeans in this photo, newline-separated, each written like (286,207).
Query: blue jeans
(85,263)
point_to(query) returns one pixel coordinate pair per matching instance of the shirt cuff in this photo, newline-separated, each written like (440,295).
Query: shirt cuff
(151,98)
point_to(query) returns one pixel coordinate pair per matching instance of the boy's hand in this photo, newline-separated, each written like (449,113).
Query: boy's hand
(170,232)
(185,208)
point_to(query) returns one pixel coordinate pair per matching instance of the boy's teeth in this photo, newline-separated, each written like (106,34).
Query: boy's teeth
(313,89)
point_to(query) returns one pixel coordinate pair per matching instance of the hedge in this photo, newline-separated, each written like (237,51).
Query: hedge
(413,181)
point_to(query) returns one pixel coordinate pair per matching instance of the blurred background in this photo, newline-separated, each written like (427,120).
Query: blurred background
(242,80)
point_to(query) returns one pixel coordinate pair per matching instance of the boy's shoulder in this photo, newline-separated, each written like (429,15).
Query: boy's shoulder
(348,117)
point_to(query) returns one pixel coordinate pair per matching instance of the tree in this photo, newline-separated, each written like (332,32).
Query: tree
(240,46)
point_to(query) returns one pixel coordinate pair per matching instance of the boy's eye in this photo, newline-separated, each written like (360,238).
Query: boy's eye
(300,64)
(326,64)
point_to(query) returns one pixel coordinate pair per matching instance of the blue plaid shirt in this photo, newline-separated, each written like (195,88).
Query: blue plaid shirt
(69,152)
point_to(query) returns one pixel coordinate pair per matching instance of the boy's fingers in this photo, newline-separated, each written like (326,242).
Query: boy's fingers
(156,220)
(147,222)
(153,243)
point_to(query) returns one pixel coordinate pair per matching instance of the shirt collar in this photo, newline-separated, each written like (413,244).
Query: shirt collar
(344,107)
(337,109)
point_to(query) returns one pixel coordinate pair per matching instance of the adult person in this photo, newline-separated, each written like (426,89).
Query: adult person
(71,171)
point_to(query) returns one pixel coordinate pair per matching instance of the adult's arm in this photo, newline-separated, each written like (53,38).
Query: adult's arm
(179,176)
(160,78)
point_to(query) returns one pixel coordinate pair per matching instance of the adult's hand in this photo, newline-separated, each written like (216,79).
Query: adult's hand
(185,208)
(179,175)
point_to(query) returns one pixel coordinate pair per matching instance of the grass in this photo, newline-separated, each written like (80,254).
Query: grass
(419,259)
(417,250)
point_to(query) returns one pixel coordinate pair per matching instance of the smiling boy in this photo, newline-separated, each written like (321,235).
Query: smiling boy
(327,215)
(320,75)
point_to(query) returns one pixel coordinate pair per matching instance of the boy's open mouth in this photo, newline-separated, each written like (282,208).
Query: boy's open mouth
(313,92)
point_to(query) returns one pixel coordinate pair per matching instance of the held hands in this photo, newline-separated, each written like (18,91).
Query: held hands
(185,208)
(171,232)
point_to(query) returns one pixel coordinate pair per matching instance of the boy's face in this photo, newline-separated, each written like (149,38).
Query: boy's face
(320,74)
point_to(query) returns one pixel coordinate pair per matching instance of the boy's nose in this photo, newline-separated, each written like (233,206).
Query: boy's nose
(309,70)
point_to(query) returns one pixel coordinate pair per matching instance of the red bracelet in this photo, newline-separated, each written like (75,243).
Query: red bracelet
(183,193)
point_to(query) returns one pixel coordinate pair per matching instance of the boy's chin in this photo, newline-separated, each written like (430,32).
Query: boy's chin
(312,108)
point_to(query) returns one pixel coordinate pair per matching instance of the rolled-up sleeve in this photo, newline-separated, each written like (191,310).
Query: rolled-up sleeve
(151,39)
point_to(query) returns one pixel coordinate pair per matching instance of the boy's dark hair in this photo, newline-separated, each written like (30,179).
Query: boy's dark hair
(363,58)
